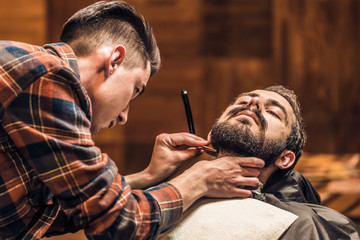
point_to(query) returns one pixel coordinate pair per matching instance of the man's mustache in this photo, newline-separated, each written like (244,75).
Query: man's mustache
(257,113)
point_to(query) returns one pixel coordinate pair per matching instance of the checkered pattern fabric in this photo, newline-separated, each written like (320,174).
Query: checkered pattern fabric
(52,177)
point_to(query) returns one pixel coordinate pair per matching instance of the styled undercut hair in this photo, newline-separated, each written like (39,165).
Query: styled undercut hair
(109,23)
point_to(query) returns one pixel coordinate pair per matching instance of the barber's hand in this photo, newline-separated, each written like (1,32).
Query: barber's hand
(170,150)
(229,177)
(225,177)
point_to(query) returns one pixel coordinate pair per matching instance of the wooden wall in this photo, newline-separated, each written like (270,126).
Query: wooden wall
(317,52)
(217,49)
(23,20)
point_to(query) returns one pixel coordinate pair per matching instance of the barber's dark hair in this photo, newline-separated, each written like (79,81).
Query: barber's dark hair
(111,23)
(296,140)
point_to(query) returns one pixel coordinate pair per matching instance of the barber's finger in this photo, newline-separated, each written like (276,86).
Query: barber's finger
(241,192)
(187,139)
(250,162)
(231,192)
(250,172)
(248,182)
(189,152)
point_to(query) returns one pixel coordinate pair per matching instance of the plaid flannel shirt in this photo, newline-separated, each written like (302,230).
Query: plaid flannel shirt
(52,177)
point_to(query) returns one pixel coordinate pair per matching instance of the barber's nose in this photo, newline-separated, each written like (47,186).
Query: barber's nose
(124,116)
(255,102)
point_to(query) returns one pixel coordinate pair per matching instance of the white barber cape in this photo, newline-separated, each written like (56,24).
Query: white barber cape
(231,219)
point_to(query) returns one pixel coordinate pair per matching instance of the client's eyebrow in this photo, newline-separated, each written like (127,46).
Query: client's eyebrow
(269,101)
(247,94)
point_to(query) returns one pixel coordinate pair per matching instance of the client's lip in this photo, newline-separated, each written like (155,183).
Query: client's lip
(249,114)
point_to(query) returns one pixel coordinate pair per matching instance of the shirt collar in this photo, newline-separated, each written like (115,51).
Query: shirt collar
(66,53)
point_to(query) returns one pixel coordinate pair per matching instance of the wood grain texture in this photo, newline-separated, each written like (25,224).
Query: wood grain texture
(317,53)
(23,20)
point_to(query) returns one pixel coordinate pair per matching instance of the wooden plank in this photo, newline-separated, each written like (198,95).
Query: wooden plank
(226,78)
(59,11)
(23,21)
(238,28)
(177,25)
(316,52)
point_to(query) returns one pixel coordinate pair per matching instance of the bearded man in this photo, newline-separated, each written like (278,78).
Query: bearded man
(266,124)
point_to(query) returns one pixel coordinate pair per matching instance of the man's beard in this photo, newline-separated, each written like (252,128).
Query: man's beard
(238,139)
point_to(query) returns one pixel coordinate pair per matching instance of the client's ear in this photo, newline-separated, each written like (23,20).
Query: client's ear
(285,160)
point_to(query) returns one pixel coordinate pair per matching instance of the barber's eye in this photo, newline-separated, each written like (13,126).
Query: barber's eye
(136,92)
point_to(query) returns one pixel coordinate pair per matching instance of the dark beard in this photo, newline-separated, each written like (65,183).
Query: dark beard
(239,140)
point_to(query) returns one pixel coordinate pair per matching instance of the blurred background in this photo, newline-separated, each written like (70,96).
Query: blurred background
(217,49)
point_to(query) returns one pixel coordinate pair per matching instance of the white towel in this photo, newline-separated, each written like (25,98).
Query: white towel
(231,219)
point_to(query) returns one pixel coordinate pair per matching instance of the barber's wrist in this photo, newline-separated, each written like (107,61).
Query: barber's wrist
(140,180)
(149,178)
(191,186)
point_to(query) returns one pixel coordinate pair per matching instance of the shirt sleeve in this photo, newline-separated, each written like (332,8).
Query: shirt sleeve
(51,132)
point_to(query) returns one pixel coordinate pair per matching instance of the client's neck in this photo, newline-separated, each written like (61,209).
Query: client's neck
(265,173)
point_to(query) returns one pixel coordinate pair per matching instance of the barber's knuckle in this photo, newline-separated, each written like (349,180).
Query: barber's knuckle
(161,136)
(233,181)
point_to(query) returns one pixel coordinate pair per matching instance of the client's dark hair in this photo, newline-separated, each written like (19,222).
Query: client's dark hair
(110,23)
(296,140)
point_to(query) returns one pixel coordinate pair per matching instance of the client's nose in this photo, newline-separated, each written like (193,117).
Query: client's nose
(255,102)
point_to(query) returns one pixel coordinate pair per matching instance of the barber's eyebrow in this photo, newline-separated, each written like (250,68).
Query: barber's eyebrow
(141,91)
(269,101)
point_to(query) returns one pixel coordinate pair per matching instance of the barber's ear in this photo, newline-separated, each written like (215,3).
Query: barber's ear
(117,55)
(286,160)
